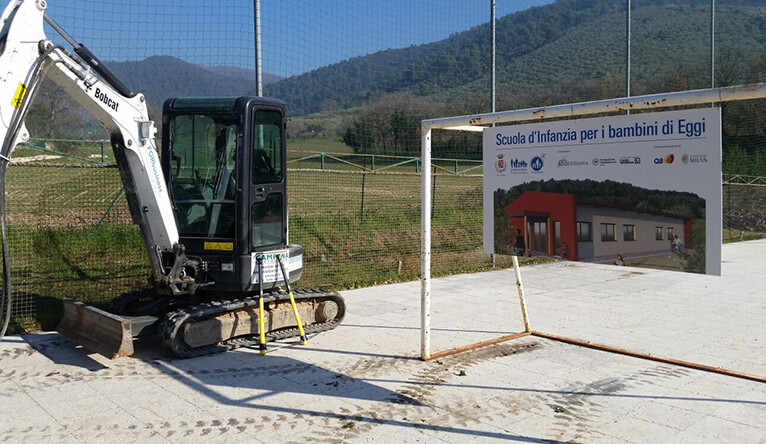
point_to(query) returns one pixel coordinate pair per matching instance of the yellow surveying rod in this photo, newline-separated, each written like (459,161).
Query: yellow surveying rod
(261,318)
(304,340)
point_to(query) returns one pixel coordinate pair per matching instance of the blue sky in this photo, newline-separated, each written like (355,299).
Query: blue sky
(298,35)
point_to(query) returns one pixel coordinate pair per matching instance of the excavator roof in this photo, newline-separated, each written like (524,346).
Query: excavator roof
(219,103)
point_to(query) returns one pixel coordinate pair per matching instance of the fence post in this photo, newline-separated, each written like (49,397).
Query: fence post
(433,192)
(361,210)
(321,161)
(102,151)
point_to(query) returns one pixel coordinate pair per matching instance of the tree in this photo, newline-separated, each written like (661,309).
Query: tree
(54,115)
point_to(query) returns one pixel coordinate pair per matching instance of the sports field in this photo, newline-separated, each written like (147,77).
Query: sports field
(71,233)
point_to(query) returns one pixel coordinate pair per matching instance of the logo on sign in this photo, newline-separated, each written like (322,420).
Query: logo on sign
(564,162)
(500,164)
(694,158)
(667,160)
(537,163)
(630,160)
(603,161)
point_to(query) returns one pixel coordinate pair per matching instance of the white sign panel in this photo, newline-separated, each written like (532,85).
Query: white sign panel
(646,187)
(271,270)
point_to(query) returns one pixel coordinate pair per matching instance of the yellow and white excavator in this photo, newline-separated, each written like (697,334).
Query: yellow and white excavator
(212,211)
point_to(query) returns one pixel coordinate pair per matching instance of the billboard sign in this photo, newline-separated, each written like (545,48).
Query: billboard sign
(646,187)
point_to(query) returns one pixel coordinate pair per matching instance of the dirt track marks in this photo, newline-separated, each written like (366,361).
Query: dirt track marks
(573,411)
(412,404)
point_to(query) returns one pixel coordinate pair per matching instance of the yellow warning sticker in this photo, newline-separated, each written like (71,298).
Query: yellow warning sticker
(220,246)
(21,91)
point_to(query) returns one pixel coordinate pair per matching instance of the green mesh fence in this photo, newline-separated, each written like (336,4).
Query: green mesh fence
(64,243)
(71,234)
(358,77)
(744,203)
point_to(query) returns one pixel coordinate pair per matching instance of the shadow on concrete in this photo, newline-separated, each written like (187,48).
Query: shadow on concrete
(287,375)
(574,392)
(63,351)
(270,376)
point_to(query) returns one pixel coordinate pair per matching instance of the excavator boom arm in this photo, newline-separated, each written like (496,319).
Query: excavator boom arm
(26,57)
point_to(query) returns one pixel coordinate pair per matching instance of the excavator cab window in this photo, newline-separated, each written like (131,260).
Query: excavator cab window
(267,147)
(203,174)
(267,220)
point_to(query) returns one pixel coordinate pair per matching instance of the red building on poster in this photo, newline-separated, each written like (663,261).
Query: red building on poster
(564,225)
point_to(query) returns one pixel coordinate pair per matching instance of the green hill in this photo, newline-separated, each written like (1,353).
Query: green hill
(162,77)
(567,51)
(570,38)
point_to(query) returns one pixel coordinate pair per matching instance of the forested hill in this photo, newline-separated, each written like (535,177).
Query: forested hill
(618,193)
(162,77)
(578,38)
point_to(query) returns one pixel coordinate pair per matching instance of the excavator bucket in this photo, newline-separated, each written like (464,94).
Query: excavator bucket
(97,330)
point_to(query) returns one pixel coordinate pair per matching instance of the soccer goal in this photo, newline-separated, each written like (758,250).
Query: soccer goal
(483,122)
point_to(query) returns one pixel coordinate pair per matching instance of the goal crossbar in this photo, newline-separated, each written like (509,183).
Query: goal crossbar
(480,122)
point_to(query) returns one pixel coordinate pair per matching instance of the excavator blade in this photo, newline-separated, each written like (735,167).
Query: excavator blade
(97,330)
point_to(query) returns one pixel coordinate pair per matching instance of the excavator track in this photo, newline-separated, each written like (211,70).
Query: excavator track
(177,324)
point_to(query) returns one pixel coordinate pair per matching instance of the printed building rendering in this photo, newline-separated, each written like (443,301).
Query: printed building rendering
(557,224)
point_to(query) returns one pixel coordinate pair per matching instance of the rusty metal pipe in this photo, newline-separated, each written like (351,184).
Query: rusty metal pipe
(622,351)
(470,347)
(522,300)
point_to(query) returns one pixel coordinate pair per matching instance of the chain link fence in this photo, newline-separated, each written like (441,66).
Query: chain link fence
(71,235)
(744,207)
(358,78)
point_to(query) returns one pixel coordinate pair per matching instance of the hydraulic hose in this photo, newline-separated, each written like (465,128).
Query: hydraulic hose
(5,298)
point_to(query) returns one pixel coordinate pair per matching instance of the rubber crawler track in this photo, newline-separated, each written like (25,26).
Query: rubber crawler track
(173,321)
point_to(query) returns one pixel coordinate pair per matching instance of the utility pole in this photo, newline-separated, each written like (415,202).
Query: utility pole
(258,60)
(494,53)
(627,51)
(712,45)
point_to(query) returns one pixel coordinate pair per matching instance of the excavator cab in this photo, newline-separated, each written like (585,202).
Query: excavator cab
(224,161)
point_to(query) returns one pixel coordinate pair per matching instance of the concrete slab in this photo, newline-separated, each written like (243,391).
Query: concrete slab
(362,382)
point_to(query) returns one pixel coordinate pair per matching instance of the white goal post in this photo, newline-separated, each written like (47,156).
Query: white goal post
(480,122)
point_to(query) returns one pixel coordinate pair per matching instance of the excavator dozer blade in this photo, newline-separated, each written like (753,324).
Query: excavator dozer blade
(97,330)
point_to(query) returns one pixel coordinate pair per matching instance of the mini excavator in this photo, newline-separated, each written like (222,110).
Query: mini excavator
(212,210)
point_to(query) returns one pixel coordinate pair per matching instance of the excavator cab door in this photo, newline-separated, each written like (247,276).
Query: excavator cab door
(225,163)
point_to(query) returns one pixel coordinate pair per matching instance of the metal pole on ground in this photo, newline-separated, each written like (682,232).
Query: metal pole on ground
(298,322)
(261,312)
(527,329)
(520,288)
(425,247)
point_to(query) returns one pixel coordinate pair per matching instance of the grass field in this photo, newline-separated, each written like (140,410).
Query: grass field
(732,235)
(322,144)
(355,228)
